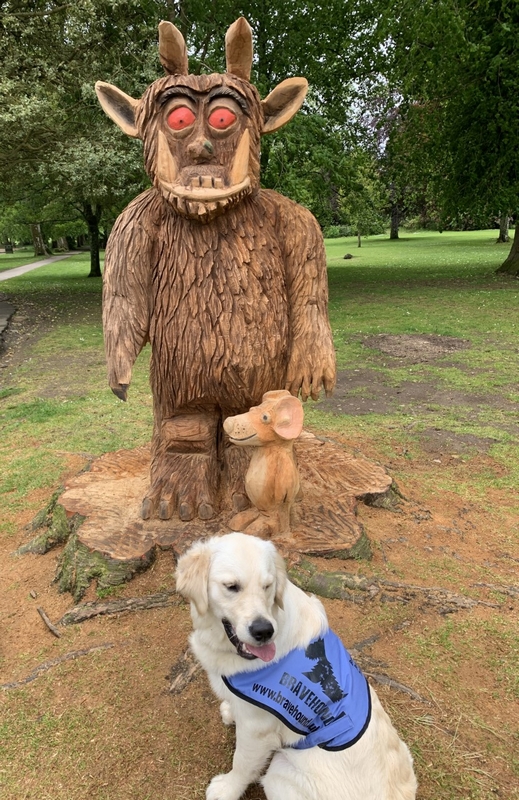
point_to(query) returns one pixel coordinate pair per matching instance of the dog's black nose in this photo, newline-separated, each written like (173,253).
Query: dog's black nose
(261,629)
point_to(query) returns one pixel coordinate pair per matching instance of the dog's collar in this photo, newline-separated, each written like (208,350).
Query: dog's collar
(240,647)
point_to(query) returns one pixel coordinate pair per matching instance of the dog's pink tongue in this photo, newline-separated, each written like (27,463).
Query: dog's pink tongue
(266,652)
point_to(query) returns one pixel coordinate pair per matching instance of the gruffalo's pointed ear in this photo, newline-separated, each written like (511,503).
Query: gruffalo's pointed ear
(238,49)
(283,103)
(118,106)
(172,49)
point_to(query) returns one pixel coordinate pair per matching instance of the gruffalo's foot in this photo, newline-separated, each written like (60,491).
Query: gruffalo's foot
(184,469)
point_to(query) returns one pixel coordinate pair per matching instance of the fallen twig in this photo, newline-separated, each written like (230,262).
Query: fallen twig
(385,680)
(39,670)
(88,610)
(52,628)
(359,589)
(183,672)
(512,591)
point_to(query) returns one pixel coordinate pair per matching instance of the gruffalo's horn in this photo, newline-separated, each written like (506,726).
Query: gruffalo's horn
(238,49)
(172,49)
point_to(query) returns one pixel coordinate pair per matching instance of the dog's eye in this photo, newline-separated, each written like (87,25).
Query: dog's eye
(267,586)
(233,587)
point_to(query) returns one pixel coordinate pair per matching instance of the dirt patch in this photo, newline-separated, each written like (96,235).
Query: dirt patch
(415,348)
(369,391)
(439,442)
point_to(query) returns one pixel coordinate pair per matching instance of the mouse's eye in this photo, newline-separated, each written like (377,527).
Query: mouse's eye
(233,587)
(265,418)
(181,118)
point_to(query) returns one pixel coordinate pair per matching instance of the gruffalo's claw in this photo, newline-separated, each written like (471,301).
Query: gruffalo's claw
(121,391)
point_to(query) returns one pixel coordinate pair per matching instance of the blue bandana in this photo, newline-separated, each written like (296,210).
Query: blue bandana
(317,691)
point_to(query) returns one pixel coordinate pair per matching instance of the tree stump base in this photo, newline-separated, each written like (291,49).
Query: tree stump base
(108,498)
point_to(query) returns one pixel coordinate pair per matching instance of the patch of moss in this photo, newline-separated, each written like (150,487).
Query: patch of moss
(79,565)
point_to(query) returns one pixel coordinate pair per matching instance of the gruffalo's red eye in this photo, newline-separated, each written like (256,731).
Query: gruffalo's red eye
(221,118)
(181,118)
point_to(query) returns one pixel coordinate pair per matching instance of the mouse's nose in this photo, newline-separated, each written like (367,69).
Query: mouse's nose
(261,629)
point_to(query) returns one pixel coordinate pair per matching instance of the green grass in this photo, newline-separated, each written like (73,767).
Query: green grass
(429,283)
(18,259)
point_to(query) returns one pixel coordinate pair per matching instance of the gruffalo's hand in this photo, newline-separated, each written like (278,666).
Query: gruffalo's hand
(308,378)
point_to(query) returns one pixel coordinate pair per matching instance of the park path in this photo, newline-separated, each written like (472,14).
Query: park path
(16,271)
(6,309)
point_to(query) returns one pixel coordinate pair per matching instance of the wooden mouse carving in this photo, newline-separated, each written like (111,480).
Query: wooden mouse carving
(225,280)
(272,480)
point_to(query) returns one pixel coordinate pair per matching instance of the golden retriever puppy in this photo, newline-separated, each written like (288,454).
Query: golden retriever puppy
(294,693)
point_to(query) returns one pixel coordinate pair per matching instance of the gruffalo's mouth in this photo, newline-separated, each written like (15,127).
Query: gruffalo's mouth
(202,194)
(265,652)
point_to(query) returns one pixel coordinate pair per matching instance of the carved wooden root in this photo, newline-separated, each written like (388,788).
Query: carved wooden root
(324,521)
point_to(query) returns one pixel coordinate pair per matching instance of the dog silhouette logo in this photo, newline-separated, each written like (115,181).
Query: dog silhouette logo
(322,672)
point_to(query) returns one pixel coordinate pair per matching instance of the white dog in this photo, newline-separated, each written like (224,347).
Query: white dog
(287,682)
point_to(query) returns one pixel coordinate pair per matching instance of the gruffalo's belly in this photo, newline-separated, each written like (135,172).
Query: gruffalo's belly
(219,329)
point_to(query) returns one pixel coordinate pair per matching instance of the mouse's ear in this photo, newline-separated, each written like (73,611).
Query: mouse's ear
(192,575)
(289,416)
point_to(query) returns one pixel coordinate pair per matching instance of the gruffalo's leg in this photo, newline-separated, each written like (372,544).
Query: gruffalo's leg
(184,467)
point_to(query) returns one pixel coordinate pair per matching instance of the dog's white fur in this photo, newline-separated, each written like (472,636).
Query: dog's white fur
(242,578)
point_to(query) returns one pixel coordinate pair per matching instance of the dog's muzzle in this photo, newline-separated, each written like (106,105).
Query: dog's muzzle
(265,652)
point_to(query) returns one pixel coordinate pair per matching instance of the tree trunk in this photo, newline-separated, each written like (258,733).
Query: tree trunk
(511,265)
(359,241)
(395,221)
(504,222)
(38,240)
(92,216)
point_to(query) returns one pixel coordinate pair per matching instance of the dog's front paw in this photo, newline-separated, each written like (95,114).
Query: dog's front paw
(224,787)
(226,713)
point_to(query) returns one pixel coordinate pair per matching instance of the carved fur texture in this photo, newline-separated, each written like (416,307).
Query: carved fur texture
(226,281)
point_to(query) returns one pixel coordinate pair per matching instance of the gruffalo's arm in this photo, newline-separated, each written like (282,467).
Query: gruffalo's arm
(126,293)
(312,355)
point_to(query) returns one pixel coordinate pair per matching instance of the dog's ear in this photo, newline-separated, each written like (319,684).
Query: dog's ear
(281,580)
(192,575)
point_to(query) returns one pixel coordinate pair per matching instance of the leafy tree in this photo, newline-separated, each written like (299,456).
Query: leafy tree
(458,61)
(56,142)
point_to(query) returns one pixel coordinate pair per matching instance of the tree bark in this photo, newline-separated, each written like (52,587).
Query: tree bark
(92,215)
(504,222)
(395,221)
(511,265)
(62,244)
(38,240)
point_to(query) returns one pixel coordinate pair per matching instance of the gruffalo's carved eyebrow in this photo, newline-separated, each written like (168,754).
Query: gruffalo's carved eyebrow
(175,91)
(226,91)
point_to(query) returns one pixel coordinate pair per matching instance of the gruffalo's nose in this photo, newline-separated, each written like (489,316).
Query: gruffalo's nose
(200,150)
(261,629)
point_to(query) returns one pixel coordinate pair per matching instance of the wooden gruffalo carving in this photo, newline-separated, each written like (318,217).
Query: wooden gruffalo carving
(225,280)
(272,481)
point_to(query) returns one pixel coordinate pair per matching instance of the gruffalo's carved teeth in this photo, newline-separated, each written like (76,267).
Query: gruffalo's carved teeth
(195,192)
(217,183)
(166,167)
(240,168)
